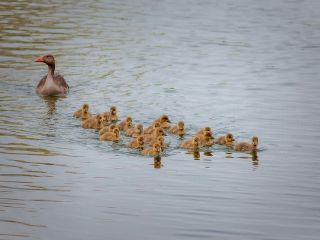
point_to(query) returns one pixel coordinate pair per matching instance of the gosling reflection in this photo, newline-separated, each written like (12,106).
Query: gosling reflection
(254,158)
(208,153)
(196,155)
(51,104)
(157,162)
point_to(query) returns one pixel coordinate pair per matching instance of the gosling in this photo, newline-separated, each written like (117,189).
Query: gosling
(191,143)
(178,129)
(137,143)
(83,112)
(136,131)
(125,124)
(155,150)
(247,147)
(93,122)
(225,140)
(113,136)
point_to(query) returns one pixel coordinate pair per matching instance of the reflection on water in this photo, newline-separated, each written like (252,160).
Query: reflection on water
(157,162)
(246,67)
(51,104)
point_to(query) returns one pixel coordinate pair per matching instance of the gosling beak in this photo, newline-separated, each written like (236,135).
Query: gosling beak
(39,59)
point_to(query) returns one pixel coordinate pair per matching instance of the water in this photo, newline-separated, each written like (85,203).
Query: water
(238,66)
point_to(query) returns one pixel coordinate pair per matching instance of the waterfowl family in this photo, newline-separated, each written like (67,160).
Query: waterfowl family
(178,129)
(193,143)
(247,147)
(155,150)
(111,136)
(52,83)
(154,135)
(225,140)
(138,142)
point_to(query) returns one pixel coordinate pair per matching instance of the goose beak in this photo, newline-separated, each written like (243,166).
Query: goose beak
(39,59)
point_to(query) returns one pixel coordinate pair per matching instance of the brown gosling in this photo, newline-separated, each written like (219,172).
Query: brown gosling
(111,136)
(164,121)
(151,128)
(93,122)
(150,137)
(112,114)
(138,143)
(107,129)
(160,140)
(225,140)
(205,129)
(206,139)
(155,150)
(83,112)
(193,143)
(178,129)
(135,131)
(247,147)
(125,124)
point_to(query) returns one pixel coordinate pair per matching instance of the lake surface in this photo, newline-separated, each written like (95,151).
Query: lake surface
(246,67)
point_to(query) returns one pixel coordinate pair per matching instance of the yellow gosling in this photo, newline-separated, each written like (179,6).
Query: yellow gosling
(93,122)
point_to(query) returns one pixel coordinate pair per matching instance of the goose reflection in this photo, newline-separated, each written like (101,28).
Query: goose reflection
(157,162)
(51,104)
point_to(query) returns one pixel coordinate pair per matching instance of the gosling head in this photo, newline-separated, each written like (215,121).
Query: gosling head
(116,132)
(208,135)
(181,125)
(128,119)
(85,108)
(111,127)
(159,132)
(140,140)
(207,129)
(255,142)
(229,138)
(113,110)
(156,125)
(105,117)
(139,128)
(164,118)
(99,118)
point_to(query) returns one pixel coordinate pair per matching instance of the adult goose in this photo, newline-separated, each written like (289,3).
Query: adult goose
(51,84)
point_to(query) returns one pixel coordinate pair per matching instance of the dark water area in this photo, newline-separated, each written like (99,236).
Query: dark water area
(246,67)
